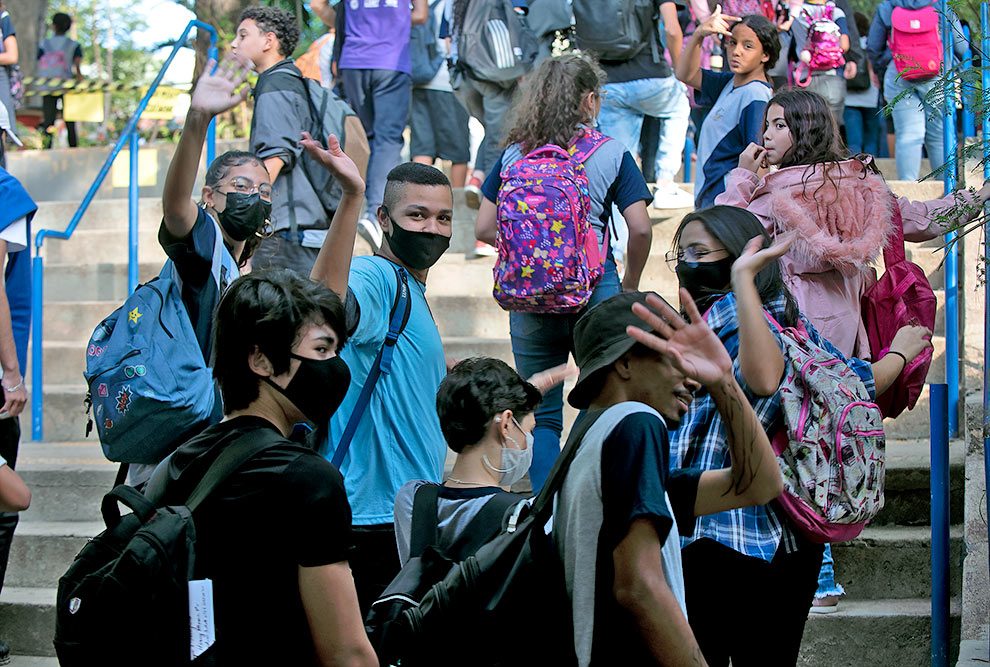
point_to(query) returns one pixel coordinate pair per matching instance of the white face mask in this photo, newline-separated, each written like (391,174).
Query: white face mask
(515,462)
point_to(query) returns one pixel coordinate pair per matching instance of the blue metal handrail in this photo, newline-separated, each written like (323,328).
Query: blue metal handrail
(968,90)
(939,492)
(985,32)
(128,135)
(951,256)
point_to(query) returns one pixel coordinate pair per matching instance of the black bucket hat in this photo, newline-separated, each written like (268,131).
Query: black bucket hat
(600,339)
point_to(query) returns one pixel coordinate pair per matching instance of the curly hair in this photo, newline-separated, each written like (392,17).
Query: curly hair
(278,21)
(815,138)
(550,109)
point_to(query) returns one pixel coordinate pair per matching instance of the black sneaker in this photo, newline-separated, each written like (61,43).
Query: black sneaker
(4,653)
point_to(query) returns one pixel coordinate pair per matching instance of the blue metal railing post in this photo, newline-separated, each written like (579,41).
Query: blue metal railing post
(688,150)
(132,216)
(211,130)
(938,394)
(37,305)
(951,256)
(968,92)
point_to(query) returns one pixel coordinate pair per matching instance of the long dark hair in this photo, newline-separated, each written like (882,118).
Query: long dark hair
(218,171)
(766,32)
(733,227)
(550,109)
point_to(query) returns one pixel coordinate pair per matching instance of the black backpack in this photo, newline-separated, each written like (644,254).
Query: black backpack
(125,598)
(494,43)
(452,612)
(425,58)
(617,29)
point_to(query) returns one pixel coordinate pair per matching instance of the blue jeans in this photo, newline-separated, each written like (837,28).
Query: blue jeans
(381,99)
(862,130)
(624,106)
(915,122)
(826,577)
(541,341)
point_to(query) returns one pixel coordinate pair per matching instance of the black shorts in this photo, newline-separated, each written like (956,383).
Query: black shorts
(438,126)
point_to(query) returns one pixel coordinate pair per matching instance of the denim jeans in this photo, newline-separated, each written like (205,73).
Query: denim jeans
(826,576)
(381,99)
(862,130)
(541,341)
(489,103)
(915,122)
(624,106)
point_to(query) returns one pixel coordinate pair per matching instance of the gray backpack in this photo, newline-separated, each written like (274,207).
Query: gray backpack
(617,29)
(494,43)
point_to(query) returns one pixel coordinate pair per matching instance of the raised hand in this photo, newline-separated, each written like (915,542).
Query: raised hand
(755,258)
(753,157)
(717,24)
(550,378)
(217,91)
(693,348)
(335,160)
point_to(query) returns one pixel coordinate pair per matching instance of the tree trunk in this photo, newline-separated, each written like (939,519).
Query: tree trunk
(28,17)
(223,16)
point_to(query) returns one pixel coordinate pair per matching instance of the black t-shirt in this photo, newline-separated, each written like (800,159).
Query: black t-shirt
(284,508)
(642,65)
(634,478)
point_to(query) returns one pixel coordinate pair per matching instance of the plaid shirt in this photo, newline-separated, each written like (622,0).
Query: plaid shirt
(700,441)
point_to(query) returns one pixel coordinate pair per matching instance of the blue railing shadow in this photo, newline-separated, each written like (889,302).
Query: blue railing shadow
(130,136)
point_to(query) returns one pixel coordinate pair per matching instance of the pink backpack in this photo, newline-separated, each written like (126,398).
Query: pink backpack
(902,296)
(549,260)
(823,51)
(831,448)
(915,43)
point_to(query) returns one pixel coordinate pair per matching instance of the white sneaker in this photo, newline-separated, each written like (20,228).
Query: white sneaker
(370,232)
(668,195)
(482,249)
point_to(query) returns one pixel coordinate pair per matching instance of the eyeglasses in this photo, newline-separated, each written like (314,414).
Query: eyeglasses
(689,254)
(243,185)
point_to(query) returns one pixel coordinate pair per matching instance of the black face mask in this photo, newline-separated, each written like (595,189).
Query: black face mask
(244,214)
(317,388)
(417,250)
(703,280)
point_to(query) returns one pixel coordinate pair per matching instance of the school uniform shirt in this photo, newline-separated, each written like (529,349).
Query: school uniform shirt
(283,509)
(700,441)
(398,438)
(618,475)
(193,259)
(736,120)
(613,178)
(456,509)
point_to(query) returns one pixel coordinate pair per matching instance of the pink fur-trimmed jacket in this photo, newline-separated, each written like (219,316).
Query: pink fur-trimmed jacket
(841,230)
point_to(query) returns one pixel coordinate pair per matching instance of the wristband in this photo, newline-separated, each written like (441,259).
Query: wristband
(15,387)
(903,358)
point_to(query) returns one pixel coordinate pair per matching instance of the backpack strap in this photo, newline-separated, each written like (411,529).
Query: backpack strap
(893,252)
(231,458)
(424,532)
(478,530)
(383,363)
(543,504)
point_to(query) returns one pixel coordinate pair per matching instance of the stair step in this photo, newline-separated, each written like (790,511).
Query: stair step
(881,633)
(906,486)
(43,550)
(894,562)
(68,487)
(32,661)
(27,616)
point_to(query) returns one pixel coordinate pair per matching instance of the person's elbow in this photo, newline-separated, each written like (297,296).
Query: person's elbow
(767,486)
(420,15)
(15,496)
(352,656)
(638,592)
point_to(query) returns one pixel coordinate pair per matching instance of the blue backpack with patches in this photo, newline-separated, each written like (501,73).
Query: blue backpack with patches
(150,389)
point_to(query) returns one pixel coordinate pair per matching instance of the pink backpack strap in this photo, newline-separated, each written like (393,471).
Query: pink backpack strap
(586,143)
(893,253)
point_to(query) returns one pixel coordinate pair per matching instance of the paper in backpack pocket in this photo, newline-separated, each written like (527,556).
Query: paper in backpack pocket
(202,632)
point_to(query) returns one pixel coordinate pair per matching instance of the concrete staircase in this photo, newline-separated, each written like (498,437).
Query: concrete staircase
(884,616)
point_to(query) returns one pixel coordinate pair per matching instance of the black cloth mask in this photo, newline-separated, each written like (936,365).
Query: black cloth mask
(417,250)
(244,214)
(704,280)
(318,387)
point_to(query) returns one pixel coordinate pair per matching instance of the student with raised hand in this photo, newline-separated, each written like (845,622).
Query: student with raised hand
(723,261)
(838,207)
(737,96)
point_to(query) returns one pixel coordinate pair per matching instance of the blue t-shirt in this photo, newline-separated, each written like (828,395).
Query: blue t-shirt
(736,120)
(613,178)
(193,257)
(399,437)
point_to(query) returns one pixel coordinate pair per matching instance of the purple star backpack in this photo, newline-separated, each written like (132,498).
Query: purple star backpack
(549,259)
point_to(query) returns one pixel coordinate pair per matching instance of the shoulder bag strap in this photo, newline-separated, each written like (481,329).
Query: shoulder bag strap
(233,457)
(383,363)
(893,253)
(488,521)
(543,504)
(424,531)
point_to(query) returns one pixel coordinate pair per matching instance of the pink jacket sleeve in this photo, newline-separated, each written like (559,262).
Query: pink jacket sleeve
(741,189)
(918,216)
